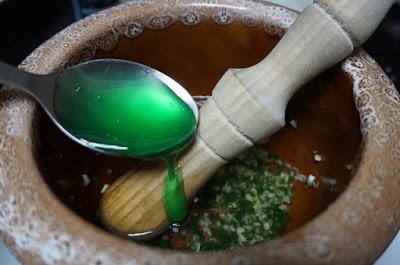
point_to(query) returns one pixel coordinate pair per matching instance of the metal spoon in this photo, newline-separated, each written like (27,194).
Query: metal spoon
(72,93)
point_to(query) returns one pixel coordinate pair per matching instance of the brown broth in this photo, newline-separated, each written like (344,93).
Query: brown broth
(197,57)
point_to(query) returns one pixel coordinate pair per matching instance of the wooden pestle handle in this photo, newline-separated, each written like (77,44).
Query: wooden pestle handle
(134,202)
(246,106)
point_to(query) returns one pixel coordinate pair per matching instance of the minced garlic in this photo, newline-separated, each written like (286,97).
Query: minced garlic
(293,123)
(105,187)
(317,158)
(85,179)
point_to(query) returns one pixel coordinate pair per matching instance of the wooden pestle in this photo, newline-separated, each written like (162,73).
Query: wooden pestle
(246,106)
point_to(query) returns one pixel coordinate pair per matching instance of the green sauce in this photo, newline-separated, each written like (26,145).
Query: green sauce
(128,112)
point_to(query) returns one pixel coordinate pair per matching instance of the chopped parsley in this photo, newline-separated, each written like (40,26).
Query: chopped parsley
(244,204)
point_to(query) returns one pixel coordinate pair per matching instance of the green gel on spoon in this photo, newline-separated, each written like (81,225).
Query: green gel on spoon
(122,108)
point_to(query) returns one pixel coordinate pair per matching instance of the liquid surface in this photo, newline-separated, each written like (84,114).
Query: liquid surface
(324,112)
(123,109)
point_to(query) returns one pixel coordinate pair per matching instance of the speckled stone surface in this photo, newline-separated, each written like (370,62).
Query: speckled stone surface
(41,230)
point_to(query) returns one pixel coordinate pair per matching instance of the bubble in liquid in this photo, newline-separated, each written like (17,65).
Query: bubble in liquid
(176,227)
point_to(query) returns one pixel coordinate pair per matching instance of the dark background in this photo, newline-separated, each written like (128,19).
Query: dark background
(26,24)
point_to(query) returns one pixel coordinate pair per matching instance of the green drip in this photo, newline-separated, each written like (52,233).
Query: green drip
(126,111)
(174,192)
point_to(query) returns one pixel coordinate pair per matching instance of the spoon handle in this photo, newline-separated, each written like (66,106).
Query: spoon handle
(248,105)
(40,87)
(10,75)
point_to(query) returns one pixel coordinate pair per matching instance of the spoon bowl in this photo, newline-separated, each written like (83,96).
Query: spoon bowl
(114,106)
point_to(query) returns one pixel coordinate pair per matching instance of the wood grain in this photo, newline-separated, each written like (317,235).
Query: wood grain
(140,193)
